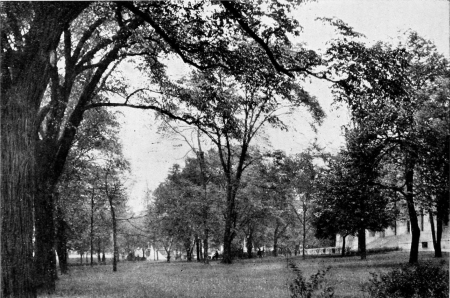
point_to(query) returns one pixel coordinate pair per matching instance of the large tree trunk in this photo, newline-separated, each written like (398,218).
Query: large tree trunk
(44,213)
(415,230)
(227,240)
(61,241)
(23,84)
(17,193)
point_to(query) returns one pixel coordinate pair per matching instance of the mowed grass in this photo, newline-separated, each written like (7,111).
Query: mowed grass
(268,277)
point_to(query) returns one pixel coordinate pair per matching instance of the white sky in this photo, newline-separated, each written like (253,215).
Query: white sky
(151,155)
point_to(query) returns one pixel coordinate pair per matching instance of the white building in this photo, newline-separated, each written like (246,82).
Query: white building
(400,236)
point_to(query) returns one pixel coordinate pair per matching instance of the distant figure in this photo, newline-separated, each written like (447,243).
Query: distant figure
(259,253)
(216,256)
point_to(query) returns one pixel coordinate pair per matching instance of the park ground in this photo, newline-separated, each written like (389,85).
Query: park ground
(268,277)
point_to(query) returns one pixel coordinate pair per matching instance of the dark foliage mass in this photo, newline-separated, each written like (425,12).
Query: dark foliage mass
(420,281)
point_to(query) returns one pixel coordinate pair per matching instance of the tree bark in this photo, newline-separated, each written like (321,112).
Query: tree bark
(227,240)
(230,220)
(45,258)
(61,241)
(415,230)
(22,90)
(17,193)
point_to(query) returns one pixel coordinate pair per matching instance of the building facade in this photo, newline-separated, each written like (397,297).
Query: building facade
(399,236)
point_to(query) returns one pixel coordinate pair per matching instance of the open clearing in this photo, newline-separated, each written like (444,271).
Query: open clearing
(260,278)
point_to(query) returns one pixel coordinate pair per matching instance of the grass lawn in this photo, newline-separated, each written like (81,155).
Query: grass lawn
(260,278)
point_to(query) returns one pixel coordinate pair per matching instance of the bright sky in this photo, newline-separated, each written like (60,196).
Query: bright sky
(151,154)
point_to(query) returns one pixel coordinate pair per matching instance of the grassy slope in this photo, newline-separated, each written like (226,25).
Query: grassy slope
(250,278)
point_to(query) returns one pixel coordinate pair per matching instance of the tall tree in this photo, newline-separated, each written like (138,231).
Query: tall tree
(433,123)
(26,65)
(231,119)
(348,201)
(384,89)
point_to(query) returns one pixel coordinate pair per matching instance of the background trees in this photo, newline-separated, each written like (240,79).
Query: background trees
(230,107)
(185,210)
(387,89)
(348,202)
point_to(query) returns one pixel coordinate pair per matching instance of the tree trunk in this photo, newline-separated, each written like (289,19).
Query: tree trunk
(230,220)
(441,217)
(343,245)
(227,240)
(23,85)
(17,192)
(362,243)
(437,249)
(168,254)
(91,234)
(250,244)
(205,247)
(304,229)
(433,235)
(275,242)
(45,258)
(99,244)
(197,246)
(188,248)
(415,230)
(115,248)
(61,242)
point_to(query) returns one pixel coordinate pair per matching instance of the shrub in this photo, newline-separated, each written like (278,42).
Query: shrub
(417,281)
(302,288)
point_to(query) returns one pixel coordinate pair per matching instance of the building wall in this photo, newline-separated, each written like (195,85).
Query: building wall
(400,236)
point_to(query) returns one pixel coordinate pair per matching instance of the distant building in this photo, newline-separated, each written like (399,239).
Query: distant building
(399,236)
